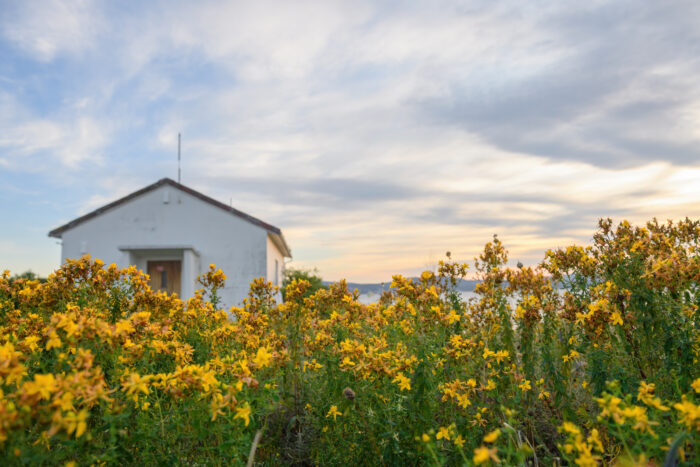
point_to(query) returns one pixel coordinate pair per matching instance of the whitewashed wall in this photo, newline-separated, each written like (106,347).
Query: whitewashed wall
(275,265)
(167,217)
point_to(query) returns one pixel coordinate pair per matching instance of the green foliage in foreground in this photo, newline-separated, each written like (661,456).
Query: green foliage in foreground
(309,275)
(95,368)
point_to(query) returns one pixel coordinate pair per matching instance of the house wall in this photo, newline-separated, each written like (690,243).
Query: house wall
(275,259)
(167,217)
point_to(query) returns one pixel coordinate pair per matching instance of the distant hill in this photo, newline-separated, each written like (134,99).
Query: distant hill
(378,288)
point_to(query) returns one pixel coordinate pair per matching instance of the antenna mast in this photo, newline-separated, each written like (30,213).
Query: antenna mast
(178,158)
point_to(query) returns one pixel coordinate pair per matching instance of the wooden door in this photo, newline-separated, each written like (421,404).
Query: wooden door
(165,275)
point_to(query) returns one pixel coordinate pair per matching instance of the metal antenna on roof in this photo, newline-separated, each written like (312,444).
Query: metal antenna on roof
(178,158)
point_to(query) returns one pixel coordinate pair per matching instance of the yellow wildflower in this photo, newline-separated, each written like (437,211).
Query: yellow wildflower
(646,395)
(333,412)
(463,400)
(443,433)
(243,413)
(502,355)
(402,381)
(54,341)
(611,407)
(493,436)
(594,439)
(615,318)
(31,342)
(585,458)
(43,385)
(483,454)
(432,291)
(570,356)
(65,402)
(76,423)
(569,427)
(262,358)
(135,384)
(696,385)
(689,413)
(347,362)
(452,317)
(639,416)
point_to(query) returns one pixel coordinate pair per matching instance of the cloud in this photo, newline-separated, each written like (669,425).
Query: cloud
(33,143)
(46,29)
(377,135)
(625,75)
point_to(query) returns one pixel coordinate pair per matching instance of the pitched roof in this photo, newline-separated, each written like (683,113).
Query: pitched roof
(275,232)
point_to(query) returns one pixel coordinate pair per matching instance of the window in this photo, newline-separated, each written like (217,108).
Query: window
(277,273)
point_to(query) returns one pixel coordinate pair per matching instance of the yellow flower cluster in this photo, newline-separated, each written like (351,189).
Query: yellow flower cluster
(52,359)
(584,448)
(599,344)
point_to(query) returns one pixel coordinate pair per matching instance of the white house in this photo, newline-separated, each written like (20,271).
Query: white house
(173,233)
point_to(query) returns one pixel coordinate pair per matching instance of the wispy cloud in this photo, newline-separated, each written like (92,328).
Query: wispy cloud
(35,143)
(47,29)
(377,134)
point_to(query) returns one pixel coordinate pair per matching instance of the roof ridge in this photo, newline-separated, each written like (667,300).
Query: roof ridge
(56,233)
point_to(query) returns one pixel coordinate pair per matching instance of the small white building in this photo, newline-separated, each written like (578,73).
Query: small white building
(173,233)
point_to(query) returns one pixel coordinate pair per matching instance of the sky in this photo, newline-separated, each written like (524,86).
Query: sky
(376,134)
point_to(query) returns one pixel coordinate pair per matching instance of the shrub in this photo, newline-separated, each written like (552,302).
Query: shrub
(589,358)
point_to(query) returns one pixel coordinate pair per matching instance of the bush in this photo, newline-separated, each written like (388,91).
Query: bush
(309,275)
(589,358)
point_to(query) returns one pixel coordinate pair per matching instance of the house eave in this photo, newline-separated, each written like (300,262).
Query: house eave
(271,229)
(280,243)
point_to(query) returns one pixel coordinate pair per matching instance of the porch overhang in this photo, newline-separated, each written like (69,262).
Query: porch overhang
(190,267)
(158,248)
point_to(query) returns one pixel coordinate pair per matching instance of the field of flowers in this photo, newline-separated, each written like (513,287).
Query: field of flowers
(591,358)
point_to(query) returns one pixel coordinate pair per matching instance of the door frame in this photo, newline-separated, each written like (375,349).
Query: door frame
(139,255)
